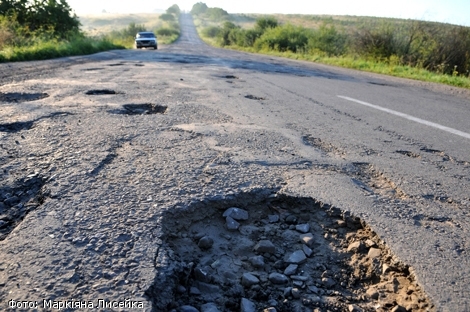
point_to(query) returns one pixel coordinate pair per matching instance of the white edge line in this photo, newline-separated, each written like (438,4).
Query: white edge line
(409,117)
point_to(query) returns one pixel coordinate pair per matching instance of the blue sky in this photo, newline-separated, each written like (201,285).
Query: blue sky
(450,11)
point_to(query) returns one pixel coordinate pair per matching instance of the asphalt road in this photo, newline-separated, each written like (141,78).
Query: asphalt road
(392,151)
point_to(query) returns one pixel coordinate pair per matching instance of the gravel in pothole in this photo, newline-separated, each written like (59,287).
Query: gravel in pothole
(283,254)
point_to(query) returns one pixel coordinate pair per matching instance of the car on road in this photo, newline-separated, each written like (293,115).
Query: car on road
(146,39)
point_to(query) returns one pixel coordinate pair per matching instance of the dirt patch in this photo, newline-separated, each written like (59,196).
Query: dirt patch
(100,92)
(17,200)
(143,109)
(282,254)
(15,97)
(252,97)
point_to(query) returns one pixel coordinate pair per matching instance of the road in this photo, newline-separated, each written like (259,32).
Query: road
(93,179)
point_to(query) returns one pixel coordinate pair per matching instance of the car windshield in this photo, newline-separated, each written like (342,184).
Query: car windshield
(145,35)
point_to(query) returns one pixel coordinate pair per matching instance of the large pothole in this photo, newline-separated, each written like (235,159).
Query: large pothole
(144,109)
(277,254)
(21,97)
(17,200)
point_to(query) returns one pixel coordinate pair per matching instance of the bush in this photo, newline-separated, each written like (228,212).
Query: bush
(167,17)
(328,40)
(211,31)
(284,38)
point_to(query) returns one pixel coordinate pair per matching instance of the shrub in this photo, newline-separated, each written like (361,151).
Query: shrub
(167,17)
(211,31)
(328,40)
(284,38)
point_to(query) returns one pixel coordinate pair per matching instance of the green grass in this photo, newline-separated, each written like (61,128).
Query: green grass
(52,49)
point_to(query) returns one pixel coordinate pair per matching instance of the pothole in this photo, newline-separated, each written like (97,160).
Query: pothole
(326,147)
(100,92)
(253,97)
(144,109)
(18,200)
(280,254)
(16,126)
(409,154)
(93,69)
(230,77)
(21,97)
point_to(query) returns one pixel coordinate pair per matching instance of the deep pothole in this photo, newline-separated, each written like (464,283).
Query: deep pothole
(143,109)
(280,254)
(254,97)
(17,200)
(21,97)
(101,92)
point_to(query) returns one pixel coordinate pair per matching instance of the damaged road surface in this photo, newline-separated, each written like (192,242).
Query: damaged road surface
(202,179)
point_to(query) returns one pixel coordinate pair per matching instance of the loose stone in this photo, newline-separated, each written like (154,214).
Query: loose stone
(295,293)
(354,308)
(231,224)
(205,243)
(307,251)
(187,308)
(291,219)
(307,239)
(247,306)
(194,291)
(303,228)
(291,269)
(249,279)
(277,278)
(355,247)
(273,218)
(209,307)
(328,282)
(374,253)
(297,257)
(236,214)
(265,246)
(257,261)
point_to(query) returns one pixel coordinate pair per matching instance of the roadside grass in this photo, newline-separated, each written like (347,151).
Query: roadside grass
(51,49)
(98,33)
(387,66)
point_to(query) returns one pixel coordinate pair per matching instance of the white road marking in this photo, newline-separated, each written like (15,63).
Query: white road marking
(409,117)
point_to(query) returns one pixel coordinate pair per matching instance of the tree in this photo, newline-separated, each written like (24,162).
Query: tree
(42,15)
(174,9)
(167,17)
(199,8)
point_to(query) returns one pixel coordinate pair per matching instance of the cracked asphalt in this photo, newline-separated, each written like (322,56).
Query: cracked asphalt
(86,178)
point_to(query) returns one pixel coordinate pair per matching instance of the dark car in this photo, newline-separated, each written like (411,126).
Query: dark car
(146,39)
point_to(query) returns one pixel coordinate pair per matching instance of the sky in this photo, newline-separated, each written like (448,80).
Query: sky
(446,11)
